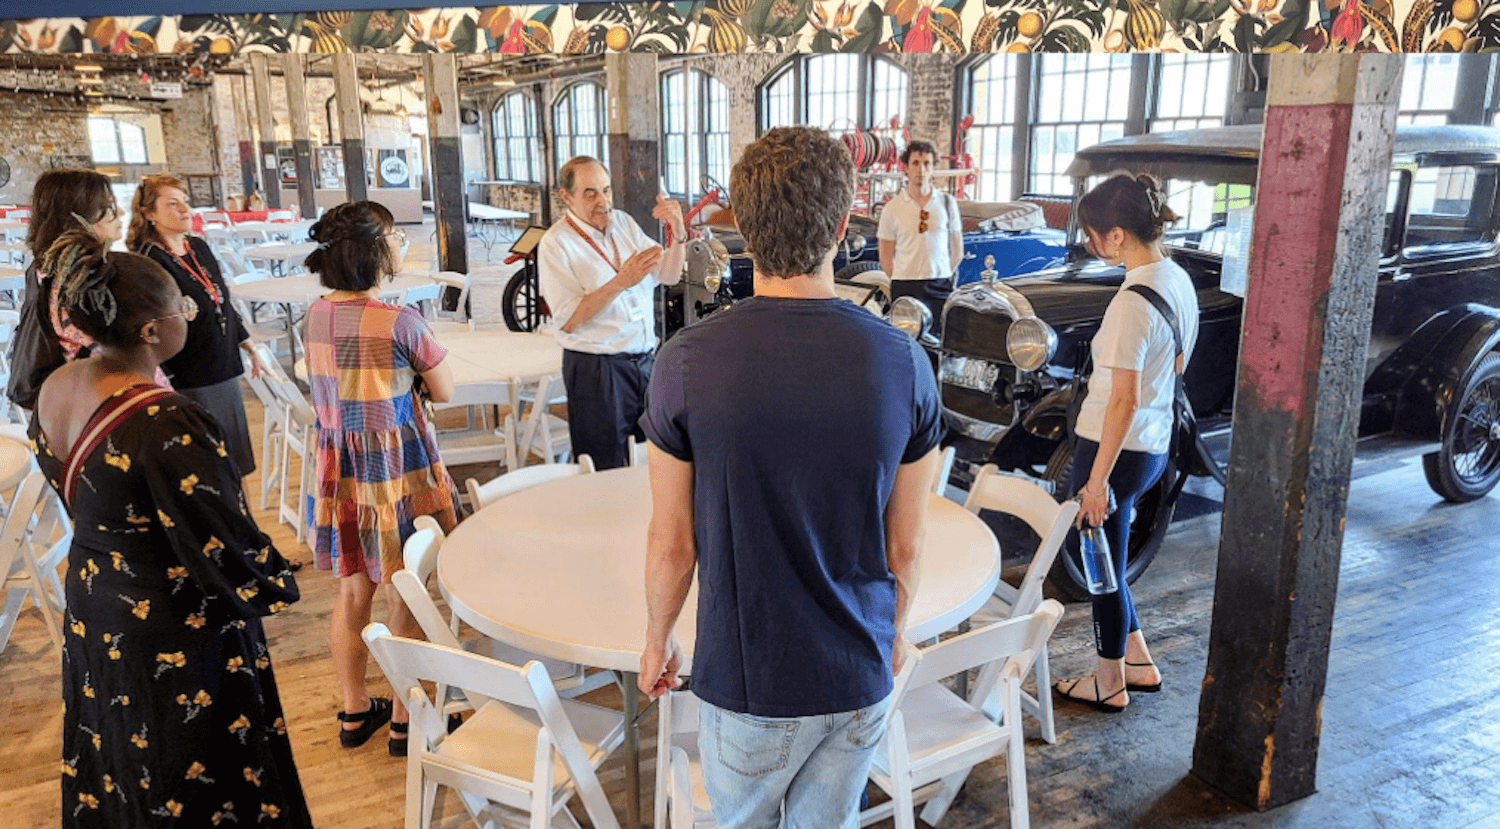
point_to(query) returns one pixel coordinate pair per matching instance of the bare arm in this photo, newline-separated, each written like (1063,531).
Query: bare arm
(905,530)
(887,257)
(670,213)
(671,558)
(1118,414)
(631,273)
(956,249)
(439,380)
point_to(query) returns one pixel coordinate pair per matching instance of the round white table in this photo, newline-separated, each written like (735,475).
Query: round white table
(299,289)
(558,570)
(15,463)
(281,256)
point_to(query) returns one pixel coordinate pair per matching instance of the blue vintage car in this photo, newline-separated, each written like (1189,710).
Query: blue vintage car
(718,272)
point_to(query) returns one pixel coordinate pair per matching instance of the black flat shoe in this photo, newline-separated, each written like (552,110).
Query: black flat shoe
(393,746)
(370,720)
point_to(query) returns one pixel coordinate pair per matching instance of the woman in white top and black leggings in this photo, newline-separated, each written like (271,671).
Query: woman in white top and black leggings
(1125,426)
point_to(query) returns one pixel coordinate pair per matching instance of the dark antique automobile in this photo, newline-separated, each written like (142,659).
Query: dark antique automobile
(1011,349)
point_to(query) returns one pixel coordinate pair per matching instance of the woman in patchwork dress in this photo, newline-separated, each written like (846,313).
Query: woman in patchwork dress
(171,714)
(377,457)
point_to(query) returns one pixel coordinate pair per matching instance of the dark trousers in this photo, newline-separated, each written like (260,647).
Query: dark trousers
(1134,473)
(606,398)
(930,292)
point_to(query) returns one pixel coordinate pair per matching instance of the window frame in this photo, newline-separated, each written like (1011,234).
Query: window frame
(119,140)
(564,98)
(794,68)
(700,83)
(532,138)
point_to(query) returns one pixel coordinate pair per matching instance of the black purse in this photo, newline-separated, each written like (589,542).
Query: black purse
(34,349)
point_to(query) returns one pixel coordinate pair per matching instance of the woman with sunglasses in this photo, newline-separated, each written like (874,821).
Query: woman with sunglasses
(171,713)
(209,366)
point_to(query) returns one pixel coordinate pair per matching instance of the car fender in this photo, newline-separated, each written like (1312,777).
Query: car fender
(1436,381)
(1048,419)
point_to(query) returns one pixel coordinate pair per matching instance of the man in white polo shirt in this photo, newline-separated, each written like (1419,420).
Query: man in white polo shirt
(921,235)
(598,272)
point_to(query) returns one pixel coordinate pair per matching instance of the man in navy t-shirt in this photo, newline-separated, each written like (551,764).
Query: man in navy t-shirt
(793,446)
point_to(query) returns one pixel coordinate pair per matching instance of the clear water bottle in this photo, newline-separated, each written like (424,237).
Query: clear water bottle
(1098,566)
(1093,550)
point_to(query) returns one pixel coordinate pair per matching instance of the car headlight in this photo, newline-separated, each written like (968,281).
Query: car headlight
(911,316)
(1030,343)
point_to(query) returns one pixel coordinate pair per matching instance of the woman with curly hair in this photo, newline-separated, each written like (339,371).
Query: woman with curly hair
(171,712)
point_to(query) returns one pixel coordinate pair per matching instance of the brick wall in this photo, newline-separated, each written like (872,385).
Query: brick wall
(189,133)
(36,128)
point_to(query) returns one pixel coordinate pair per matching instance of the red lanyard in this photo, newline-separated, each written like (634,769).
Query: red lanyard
(200,274)
(613,263)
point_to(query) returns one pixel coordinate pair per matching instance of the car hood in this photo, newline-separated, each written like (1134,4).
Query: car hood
(1060,297)
(735,243)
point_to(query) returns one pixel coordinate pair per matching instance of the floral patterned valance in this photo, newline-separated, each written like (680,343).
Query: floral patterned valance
(800,26)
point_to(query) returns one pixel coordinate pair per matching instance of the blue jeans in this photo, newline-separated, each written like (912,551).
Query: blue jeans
(817,766)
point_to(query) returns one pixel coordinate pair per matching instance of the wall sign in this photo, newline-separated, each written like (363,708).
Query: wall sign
(161,89)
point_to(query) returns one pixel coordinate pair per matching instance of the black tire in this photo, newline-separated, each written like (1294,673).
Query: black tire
(516,305)
(1466,466)
(1146,531)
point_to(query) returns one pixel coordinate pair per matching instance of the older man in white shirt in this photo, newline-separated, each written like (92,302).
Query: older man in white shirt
(598,272)
(921,235)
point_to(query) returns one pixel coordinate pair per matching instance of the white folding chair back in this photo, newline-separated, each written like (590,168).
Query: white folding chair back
(483,444)
(419,555)
(934,737)
(461,281)
(546,433)
(428,293)
(680,795)
(518,759)
(21,573)
(273,424)
(1051,521)
(639,454)
(280,216)
(945,469)
(301,432)
(221,239)
(216,218)
(510,483)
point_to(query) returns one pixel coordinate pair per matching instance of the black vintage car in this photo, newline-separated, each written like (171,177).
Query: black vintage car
(1012,348)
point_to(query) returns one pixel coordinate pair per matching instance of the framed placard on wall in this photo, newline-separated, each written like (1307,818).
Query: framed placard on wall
(203,191)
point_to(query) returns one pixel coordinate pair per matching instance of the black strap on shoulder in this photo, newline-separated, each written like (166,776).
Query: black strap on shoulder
(1163,308)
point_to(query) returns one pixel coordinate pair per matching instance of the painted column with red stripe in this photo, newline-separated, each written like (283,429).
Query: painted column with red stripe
(1319,218)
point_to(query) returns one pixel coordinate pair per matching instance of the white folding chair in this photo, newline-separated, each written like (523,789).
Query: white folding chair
(945,469)
(273,424)
(221,240)
(639,454)
(934,737)
(521,756)
(680,794)
(482,495)
(545,434)
(29,558)
(248,236)
(280,216)
(1013,495)
(216,218)
(428,294)
(484,444)
(461,281)
(420,554)
(298,439)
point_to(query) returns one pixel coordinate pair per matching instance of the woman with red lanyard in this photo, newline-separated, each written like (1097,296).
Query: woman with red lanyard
(208,368)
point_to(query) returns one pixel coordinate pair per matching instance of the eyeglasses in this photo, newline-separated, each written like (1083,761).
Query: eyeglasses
(186,308)
(400,234)
(923,227)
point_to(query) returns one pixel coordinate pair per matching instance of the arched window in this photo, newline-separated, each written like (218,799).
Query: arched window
(113,141)
(836,92)
(695,131)
(579,123)
(513,121)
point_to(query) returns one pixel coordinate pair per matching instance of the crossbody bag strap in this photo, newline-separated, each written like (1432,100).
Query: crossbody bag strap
(1164,309)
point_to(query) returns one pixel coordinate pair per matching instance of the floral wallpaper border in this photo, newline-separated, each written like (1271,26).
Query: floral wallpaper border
(730,26)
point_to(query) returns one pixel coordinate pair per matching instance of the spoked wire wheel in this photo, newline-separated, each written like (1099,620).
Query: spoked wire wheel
(1467,464)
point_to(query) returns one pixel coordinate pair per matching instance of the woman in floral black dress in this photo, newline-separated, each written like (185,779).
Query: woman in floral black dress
(172,716)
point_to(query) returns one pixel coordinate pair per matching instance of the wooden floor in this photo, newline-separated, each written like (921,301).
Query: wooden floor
(1411,719)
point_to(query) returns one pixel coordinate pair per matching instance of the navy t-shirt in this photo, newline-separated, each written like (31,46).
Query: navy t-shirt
(795,414)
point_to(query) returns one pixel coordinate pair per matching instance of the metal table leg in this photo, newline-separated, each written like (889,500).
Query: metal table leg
(632,749)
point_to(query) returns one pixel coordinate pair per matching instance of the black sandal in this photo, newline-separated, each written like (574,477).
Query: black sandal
(393,746)
(370,719)
(1097,704)
(1136,686)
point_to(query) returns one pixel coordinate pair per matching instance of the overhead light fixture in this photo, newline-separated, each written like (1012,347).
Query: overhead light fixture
(92,80)
(88,67)
(504,83)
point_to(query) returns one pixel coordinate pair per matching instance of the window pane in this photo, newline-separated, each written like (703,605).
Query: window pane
(102,142)
(132,143)
(1081,99)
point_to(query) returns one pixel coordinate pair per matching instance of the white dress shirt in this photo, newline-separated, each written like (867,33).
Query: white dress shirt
(1135,335)
(569,268)
(920,255)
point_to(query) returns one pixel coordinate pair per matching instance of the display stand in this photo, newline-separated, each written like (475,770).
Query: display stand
(523,306)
